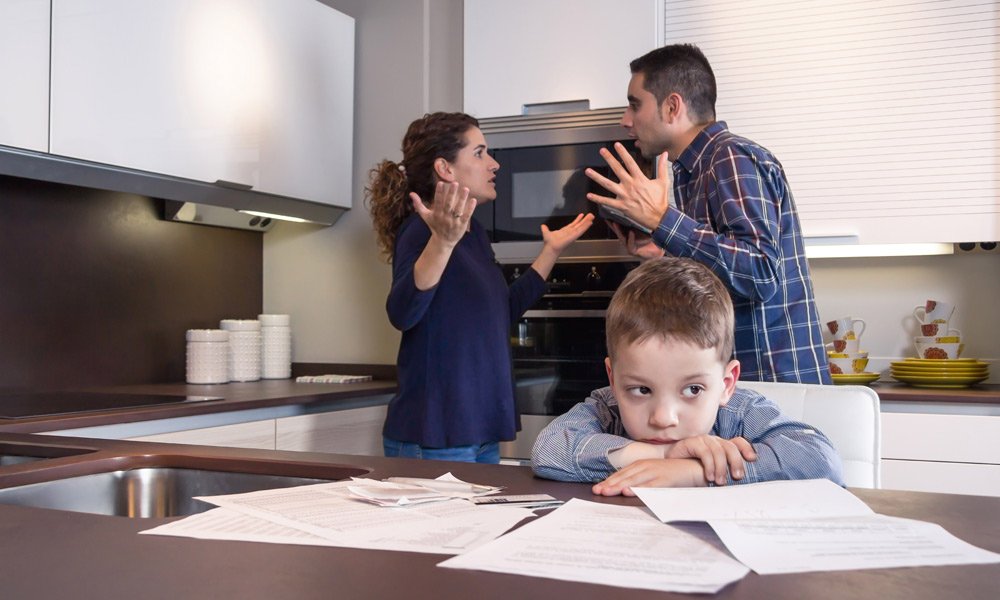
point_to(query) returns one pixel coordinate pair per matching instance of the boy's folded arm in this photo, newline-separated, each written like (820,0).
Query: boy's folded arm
(794,451)
(574,447)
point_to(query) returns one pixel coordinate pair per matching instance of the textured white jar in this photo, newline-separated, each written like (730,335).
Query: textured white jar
(207,356)
(276,346)
(244,348)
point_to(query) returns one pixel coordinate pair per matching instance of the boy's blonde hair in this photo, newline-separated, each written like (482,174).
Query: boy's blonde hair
(674,298)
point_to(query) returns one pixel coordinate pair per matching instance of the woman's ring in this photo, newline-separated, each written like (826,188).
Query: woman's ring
(456,214)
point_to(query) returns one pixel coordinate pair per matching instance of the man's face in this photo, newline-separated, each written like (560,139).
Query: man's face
(669,390)
(644,120)
(475,169)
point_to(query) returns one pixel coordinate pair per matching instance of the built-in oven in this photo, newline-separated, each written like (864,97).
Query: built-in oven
(558,347)
(541,178)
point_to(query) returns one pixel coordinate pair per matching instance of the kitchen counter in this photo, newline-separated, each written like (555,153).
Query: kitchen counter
(234,397)
(56,554)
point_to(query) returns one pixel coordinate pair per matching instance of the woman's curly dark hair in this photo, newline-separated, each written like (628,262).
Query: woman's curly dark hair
(433,136)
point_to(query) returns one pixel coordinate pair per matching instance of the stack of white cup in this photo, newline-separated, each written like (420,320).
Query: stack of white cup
(207,356)
(244,348)
(276,349)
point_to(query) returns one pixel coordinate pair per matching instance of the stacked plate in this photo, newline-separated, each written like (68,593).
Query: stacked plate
(854,378)
(940,373)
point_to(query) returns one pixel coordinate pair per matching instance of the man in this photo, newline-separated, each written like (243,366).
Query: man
(733,211)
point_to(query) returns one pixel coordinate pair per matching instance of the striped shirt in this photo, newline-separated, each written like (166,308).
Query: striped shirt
(734,213)
(575,446)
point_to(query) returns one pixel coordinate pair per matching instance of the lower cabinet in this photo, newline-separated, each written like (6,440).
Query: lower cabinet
(945,453)
(255,434)
(352,431)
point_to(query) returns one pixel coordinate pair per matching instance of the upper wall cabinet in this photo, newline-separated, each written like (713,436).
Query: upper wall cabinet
(250,93)
(521,52)
(24,71)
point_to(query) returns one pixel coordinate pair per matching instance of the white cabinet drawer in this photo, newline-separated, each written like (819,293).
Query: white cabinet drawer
(354,431)
(255,434)
(942,477)
(939,437)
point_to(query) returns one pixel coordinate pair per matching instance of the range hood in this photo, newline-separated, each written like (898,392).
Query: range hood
(220,203)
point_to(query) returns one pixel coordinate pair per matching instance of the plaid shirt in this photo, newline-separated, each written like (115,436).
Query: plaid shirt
(734,212)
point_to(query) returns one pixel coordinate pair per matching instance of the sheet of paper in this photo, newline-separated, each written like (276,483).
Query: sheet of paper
(872,542)
(330,512)
(611,545)
(803,499)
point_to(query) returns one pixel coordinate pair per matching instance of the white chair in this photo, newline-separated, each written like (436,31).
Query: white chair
(847,414)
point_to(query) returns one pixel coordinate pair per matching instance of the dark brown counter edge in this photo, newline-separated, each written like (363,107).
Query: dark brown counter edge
(977,394)
(236,396)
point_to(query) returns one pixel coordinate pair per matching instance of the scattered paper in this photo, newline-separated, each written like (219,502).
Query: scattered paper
(623,546)
(331,513)
(810,525)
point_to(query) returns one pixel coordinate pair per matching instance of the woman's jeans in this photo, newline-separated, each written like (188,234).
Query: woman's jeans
(478,453)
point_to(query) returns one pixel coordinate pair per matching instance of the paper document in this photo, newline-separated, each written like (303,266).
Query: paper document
(329,511)
(611,545)
(809,525)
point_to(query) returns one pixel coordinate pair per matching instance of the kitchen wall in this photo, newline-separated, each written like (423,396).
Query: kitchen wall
(97,289)
(332,281)
(409,61)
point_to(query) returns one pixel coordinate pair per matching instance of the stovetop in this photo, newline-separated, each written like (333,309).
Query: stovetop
(42,404)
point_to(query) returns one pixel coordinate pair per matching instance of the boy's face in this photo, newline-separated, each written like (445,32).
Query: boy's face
(669,390)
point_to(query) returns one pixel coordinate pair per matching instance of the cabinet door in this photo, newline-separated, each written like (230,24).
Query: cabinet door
(24,71)
(307,137)
(353,431)
(941,477)
(255,434)
(528,51)
(253,92)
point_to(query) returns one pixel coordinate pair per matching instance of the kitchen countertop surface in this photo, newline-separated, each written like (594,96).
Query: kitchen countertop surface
(56,554)
(234,397)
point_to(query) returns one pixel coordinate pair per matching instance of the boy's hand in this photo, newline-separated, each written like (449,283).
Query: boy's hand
(718,456)
(651,472)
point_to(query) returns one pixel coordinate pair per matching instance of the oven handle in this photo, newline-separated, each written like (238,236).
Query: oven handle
(564,314)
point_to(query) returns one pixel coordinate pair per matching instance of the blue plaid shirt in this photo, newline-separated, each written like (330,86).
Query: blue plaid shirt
(734,212)
(575,446)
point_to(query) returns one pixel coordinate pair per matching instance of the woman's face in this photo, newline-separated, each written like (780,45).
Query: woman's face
(474,168)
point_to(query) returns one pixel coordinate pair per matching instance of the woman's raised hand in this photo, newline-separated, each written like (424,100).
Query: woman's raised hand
(559,239)
(449,214)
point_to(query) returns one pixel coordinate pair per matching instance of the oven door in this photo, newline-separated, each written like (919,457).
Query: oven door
(558,361)
(547,185)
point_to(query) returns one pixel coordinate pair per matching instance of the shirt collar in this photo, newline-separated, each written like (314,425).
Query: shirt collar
(692,154)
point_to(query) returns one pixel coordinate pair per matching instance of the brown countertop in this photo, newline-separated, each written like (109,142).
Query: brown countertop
(55,554)
(235,397)
(977,394)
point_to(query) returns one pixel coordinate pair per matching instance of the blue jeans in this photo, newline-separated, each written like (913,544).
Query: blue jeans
(477,453)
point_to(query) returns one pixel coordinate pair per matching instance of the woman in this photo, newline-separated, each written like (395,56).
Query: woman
(448,297)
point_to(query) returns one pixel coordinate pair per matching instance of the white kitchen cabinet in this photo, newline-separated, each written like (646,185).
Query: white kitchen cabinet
(257,93)
(533,51)
(353,431)
(255,434)
(24,71)
(950,453)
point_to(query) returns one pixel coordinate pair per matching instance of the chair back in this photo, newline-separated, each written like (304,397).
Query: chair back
(847,414)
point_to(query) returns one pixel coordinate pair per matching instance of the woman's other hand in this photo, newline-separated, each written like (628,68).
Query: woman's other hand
(559,239)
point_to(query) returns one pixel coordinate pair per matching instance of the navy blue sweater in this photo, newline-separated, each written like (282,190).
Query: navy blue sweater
(456,386)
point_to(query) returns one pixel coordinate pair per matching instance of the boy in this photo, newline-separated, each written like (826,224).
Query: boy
(673,416)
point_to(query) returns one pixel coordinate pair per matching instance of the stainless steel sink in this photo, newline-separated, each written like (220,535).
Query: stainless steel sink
(13,453)
(164,490)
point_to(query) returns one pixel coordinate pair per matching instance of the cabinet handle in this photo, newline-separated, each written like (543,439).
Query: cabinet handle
(543,108)
(233,184)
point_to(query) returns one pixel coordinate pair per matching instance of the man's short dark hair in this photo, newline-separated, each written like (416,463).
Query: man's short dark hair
(680,68)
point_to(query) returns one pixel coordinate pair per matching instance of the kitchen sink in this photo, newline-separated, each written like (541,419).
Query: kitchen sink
(13,453)
(166,489)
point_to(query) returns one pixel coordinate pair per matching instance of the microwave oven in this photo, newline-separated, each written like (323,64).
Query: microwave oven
(541,180)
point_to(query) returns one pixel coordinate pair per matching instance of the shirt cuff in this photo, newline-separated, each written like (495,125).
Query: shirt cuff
(674,231)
